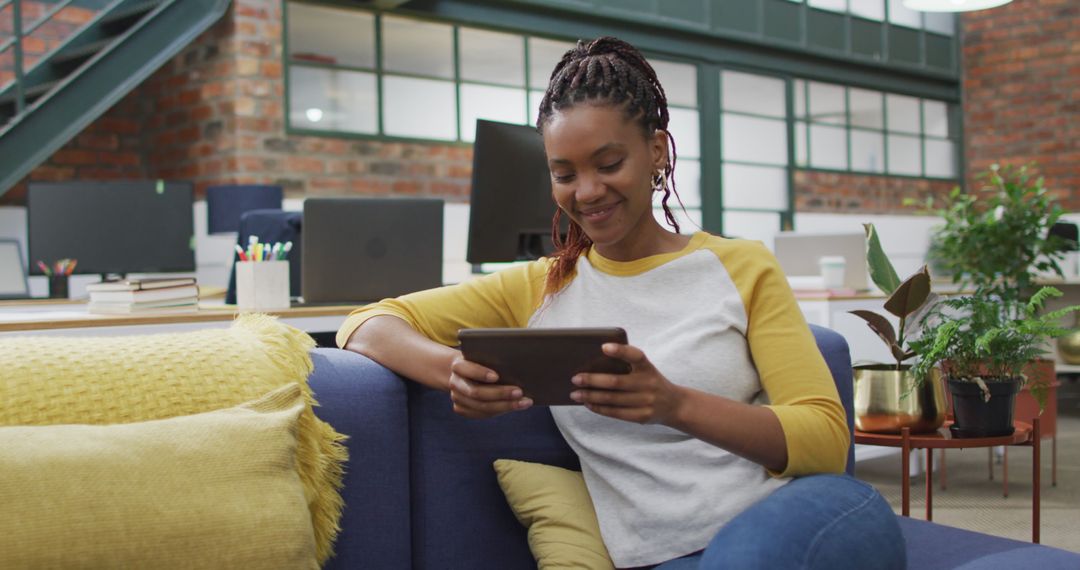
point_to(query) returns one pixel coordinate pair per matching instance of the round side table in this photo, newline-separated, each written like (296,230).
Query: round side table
(1025,434)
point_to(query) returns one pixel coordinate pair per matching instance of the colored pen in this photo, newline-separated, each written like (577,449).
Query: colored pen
(44,268)
(285,250)
(71,268)
(240,252)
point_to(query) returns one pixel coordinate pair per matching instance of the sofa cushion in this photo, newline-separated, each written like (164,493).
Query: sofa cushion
(554,504)
(932,546)
(100,380)
(211,490)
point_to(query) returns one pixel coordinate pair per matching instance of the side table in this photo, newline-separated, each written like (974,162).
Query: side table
(1025,434)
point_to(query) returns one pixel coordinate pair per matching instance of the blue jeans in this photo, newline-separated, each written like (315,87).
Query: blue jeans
(820,521)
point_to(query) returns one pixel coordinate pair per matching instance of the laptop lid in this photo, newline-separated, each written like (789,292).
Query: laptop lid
(359,250)
(13,283)
(798,254)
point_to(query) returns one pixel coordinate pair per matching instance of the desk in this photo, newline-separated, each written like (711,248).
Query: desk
(70,318)
(1025,434)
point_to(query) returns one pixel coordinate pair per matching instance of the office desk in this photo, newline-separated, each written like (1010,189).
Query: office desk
(70,318)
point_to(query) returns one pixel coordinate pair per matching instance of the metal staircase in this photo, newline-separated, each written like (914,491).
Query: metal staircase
(74,84)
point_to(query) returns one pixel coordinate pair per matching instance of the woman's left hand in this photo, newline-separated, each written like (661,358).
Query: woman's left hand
(643,396)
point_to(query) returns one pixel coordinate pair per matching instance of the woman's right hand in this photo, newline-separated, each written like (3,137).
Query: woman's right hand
(475,394)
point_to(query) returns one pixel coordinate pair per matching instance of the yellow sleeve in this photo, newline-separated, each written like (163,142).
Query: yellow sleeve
(793,372)
(504,299)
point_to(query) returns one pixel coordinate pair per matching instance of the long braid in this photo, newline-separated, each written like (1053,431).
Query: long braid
(614,72)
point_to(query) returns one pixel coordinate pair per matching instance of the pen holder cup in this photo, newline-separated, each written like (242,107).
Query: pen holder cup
(58,287)
(262,285)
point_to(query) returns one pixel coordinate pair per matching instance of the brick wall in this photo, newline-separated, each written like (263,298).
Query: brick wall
(214,114)
(834,192)
(1021,73)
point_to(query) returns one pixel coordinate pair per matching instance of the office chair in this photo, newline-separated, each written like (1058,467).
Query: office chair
(270,226)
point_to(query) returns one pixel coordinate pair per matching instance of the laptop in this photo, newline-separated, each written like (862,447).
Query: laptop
(13,283)
(361,250)
(798,254)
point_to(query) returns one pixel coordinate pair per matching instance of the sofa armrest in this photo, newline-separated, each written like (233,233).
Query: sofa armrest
(367,403)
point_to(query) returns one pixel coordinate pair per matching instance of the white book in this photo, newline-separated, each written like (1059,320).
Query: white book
(129,308)
(144,295)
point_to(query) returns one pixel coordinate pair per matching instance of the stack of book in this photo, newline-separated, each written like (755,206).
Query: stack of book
(162,295)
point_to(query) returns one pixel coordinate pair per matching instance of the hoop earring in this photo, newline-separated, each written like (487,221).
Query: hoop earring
(659,182)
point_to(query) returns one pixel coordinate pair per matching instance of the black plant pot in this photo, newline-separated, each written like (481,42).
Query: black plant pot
(974,417)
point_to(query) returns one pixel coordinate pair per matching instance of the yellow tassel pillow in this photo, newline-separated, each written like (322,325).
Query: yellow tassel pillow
(211,490)
(102,380)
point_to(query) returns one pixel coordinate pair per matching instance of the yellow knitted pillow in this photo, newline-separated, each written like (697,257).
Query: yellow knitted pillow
(100,380)
(211,490)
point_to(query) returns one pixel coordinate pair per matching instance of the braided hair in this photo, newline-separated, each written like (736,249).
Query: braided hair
(610,71)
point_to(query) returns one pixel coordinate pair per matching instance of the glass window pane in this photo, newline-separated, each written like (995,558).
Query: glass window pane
(543,55)
(940,158)
(867,151)
(941,22)
(760,226)
(685,127)
(867,108)
(904,155)
(688,182)
(420,108)
(833,5)
(750,139)
(492,57)
(798,91)
(903,113)
(755,187)
(503,104)
(828,147)
(936,118)
(689,221)
(869,9)
(679,81)
(331,100)
(534,105)
(800,144)
(755,94)
(414,46)
(827,103)
(902,16)
(331,35)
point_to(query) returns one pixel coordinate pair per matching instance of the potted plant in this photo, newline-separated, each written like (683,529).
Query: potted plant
(889,397)
(997,240)
(1007,223)
(983,352)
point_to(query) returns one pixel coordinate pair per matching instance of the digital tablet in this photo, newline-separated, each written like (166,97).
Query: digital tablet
(542,361)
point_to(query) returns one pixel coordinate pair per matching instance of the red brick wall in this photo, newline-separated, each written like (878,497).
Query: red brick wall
(1021,73)
(840,193)
(44,39)
(214,114)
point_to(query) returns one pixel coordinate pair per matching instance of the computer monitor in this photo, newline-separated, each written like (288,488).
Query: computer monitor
(511,206)
(111,228)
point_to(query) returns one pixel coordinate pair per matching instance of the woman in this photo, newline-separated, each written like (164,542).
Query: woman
(684,461)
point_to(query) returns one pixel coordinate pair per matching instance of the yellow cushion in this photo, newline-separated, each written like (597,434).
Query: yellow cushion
(555,506)
(211,490)
(101,380)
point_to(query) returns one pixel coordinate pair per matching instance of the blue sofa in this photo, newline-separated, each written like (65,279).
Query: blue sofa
(420,491)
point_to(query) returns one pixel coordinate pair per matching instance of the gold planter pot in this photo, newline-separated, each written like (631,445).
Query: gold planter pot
(886,401)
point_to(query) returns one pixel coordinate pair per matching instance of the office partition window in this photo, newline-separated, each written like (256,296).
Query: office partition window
(892,11)
(846,128)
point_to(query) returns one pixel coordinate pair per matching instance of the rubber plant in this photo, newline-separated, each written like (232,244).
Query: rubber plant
(907,300)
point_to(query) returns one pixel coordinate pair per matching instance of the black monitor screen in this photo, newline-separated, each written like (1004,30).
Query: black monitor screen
(112,227)
(511,206)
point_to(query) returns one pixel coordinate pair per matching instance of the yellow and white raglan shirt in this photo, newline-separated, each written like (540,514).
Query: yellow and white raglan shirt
(717,316)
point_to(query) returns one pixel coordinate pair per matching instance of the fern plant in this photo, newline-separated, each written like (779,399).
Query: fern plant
(972,339)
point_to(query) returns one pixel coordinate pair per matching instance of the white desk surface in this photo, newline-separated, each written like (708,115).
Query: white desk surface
(71,318)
